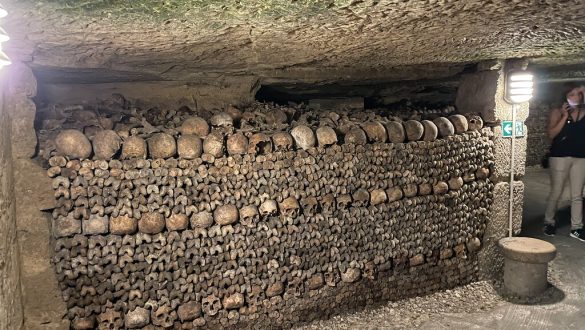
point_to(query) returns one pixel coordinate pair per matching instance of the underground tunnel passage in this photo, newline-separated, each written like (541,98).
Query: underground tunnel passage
(267,164)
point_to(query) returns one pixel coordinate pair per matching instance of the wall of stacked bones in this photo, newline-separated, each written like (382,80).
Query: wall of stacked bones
(263,216)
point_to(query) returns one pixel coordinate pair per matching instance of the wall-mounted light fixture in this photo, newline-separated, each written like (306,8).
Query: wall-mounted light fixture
(518,90)
(518,87)
(4,59)
(3,35)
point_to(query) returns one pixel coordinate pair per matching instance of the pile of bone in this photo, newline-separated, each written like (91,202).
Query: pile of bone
(411,112)
(198,138)
(228,240)
(108,193)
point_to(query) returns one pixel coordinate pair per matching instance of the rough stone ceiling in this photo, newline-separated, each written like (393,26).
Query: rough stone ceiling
(284,40)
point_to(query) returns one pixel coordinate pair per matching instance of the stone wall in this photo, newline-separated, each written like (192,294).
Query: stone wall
(203,94)
(42,303)
(538,143)
(265,238)
(483,92)
(11,316)
(547,96)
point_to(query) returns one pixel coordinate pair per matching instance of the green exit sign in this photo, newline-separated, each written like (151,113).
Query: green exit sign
(507,127)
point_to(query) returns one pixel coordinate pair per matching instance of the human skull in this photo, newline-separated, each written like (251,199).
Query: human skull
(328,201)
(222,121)
(475,122)
(430,130)
(296,287)
(110,319)
(276,117)
(395,131)
(326,136)
(213,144)
(394,194)
(482,173)
(444,126)
(268,208)
(459,123)
(234,112)
(351,275)
(73,144)
(163,317)
(414,130)
(134,147)
(332,278)
(137,318)
(370,270)
(106,144)
(211,305)
(303,136)
(259,143)
(189,146)
(237,144)
(361,197)
(196,126)
(375,131)
(226,214)
(233,301)
(162,145)
(249,215)
(440,188)
(283,141)
(310,205)
(343,201)
(378,196)
(84,322)
(356,136)
(201,219)
(289,207)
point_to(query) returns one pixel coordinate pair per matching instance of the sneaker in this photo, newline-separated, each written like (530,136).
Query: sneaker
(578,234)
(550,230)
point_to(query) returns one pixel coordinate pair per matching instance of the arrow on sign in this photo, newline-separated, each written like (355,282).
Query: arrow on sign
(508,129)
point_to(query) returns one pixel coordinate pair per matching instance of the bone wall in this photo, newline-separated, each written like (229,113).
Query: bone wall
(274,234)
(10,299)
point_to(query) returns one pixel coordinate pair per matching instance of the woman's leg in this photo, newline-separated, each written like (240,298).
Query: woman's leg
(559,172)
(577,180)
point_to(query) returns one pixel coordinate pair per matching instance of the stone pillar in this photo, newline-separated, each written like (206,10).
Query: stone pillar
(23,87)
(482,93)
(43,305)
(526,265)
(11,315)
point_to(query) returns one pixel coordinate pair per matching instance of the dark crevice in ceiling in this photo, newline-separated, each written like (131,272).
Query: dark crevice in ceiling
(377,94)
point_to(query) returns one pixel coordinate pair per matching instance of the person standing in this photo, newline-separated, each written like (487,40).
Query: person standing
(566,129)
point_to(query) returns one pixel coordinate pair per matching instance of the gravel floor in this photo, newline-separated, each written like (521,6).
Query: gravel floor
(411,313)
(485,305)
(479,297)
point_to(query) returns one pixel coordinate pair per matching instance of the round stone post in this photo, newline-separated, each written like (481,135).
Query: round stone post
(526,264)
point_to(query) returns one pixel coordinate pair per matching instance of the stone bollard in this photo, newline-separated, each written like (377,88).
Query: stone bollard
(526,264)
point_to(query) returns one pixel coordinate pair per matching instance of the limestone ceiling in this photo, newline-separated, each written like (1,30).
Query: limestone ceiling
(284,40)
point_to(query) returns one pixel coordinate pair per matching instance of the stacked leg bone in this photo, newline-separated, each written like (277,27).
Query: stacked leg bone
(265,216)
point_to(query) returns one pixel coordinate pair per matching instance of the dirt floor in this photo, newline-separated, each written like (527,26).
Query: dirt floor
(480,305)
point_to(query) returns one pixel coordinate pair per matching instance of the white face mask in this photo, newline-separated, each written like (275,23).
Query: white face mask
(572,103)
